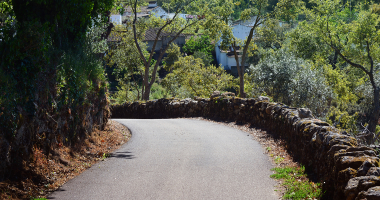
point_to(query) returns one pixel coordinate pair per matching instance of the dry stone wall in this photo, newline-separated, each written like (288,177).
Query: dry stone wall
(347,170)
(43,129)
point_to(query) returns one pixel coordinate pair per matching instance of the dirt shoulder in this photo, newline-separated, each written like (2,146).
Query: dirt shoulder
(47,173)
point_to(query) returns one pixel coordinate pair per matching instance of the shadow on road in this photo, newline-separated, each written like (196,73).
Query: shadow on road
(58,190)
(125,155)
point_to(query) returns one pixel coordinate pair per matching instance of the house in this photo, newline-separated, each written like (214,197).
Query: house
(116,19)
(146,11)
(180,15)
(150,36)
(153,9)
(226,58)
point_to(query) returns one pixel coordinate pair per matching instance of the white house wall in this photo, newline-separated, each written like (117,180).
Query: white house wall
(221,58)
(116,19)
(241,31)
(171,15)
(159,12)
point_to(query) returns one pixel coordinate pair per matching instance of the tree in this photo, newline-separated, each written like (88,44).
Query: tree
(174,53)
(291,80)
(171,28)
(202,44)
(272,34)
(49,74)
(284,9)
(192,78)
(123,54)
(356,41)
(68,21)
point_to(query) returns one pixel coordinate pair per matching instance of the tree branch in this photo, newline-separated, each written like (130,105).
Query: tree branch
(168,22)
(249,39)
(134,9)
(166,48)
(371,62)
(341,55)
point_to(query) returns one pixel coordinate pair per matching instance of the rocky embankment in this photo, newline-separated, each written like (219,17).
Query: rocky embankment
(347,170)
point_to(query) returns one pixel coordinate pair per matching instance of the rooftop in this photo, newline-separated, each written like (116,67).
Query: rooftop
(150,34)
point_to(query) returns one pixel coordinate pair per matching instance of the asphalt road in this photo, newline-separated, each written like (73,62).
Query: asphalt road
(177,159)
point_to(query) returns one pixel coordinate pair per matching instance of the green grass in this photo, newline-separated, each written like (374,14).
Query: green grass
(296,183)
(278,159)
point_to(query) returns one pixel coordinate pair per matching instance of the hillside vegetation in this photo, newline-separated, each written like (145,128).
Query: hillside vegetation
(53,90)
(323,56)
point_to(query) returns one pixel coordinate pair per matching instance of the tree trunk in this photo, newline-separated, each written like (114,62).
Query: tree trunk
(240,72)
(241,77)
(145,95)
(374,116)
(146,92)
(241,85)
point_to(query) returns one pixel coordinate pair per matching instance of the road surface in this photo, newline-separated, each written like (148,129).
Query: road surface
(177,159)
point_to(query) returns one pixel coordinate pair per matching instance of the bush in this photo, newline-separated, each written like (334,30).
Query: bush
(126,93)
(291,80)
(192,78)
(158,92)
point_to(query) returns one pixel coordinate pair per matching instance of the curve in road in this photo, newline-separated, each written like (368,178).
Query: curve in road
(178,159)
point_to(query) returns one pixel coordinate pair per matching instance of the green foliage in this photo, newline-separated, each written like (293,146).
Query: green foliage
(298,187)
(23,57)
(191,77)
(206,59)
(105,155)
(50,72)
(169,29)
(339,83)
(343,120)
(158,92)
(271,34)
(126,94)
(68,21)
(278,159)
(129,93)
(286,10)
(129,68)
(6,13)
(174,53)
(290,80)
(353,35)
(80,77)
(202,44)
(306,44)
(200,47)
(37,51)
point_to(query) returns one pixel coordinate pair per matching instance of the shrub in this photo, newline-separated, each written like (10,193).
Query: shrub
(291,80)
